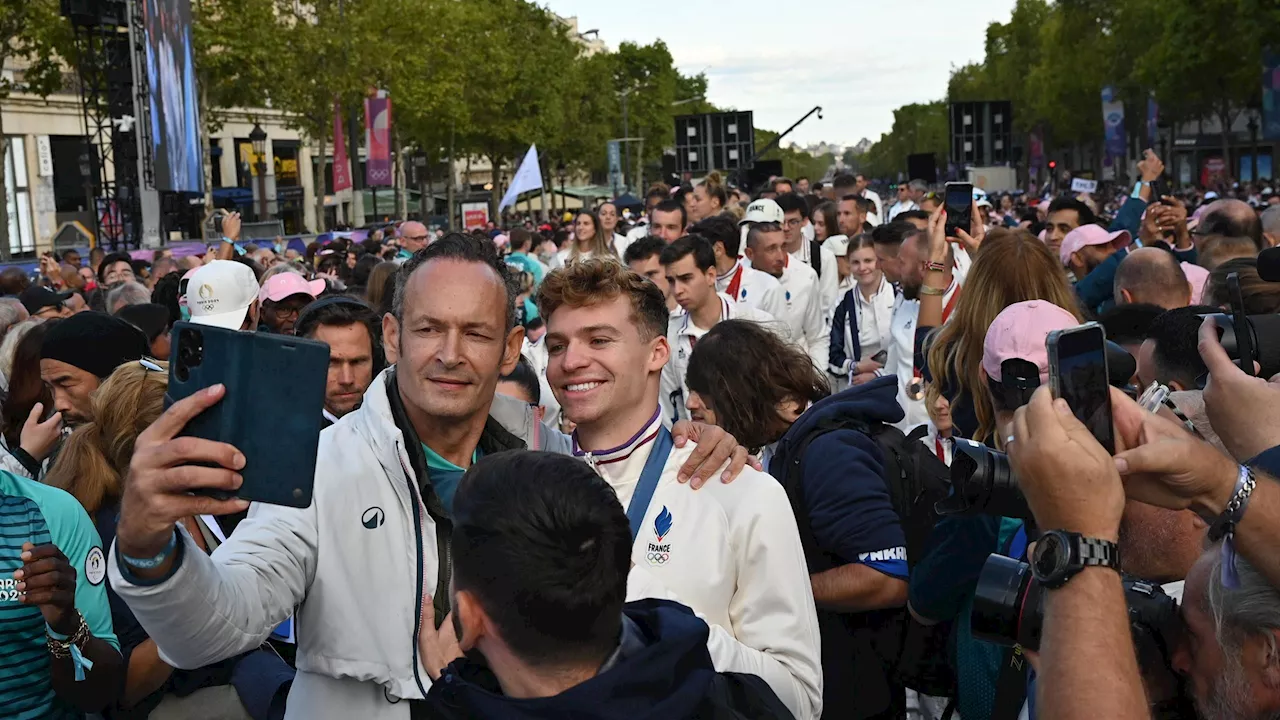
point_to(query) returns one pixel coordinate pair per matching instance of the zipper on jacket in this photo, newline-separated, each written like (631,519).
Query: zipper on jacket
(417,531)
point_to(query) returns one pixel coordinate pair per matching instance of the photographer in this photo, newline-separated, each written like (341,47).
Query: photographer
(1087,666)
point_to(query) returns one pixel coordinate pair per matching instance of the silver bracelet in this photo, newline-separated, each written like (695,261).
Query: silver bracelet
(1225,524)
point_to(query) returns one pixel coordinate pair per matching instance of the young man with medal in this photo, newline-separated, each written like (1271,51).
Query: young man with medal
(730,552)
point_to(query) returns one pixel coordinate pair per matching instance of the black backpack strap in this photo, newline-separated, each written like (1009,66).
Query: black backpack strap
(815,256)
(1011,686)
(793,484)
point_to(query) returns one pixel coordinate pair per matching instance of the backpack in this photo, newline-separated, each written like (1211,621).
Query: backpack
(815,255)
(916,479)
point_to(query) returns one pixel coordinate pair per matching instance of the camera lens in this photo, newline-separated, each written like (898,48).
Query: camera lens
(1006,604)
(982,481)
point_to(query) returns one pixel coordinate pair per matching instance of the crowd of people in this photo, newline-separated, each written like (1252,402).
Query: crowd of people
(710,459)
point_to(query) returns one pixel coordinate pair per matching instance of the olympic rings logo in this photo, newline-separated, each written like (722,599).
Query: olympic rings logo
(658,558)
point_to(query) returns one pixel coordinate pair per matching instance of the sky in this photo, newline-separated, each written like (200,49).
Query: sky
(858,59)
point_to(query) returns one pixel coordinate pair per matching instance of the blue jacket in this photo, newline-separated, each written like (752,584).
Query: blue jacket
(850,513)
(1097,289)
(661,671)
(844,311)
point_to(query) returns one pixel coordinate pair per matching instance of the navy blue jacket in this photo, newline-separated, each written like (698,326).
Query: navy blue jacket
(850,512)
(661,671)
(844,311)
(1097,289)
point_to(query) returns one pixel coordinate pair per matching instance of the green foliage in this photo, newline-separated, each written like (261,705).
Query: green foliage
(917,128)
(33,32)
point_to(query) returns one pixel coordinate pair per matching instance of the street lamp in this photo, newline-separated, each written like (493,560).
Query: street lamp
(258,137)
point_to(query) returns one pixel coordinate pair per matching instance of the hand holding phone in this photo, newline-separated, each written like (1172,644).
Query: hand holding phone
(1078,374)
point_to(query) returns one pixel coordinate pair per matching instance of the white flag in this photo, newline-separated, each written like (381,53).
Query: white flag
(528,177)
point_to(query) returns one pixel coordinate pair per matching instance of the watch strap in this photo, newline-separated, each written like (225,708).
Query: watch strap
(1082,552)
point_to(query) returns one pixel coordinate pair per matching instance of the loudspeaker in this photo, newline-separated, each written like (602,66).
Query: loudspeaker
(95,13)
(981,133)
(922,166)
(760,173)
(714,141)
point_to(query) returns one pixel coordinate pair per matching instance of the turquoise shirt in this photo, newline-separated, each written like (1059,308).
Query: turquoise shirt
(40,514)
(445,476)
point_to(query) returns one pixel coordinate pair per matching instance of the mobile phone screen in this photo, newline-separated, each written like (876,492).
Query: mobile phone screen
(958,202)
(1080,370)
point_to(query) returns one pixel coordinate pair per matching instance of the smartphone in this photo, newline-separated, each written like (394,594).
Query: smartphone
(1078,374)
(217,224)
(272,408)
(880,357)
(958,202)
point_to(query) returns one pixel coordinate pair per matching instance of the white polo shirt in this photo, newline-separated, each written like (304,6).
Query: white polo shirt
(828,279)
(683,336)
(901,358)
(755,289)
(732,553)
(803,312)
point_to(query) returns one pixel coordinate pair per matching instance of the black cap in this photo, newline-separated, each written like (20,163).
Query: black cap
(94,342)
(37,298)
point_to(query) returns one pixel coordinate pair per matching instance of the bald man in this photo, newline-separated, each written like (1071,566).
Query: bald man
(413,237)
(1152,275)
(1233,218)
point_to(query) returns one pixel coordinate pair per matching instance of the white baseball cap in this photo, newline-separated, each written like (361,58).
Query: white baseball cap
(837,244)
(221,293)
(763,210)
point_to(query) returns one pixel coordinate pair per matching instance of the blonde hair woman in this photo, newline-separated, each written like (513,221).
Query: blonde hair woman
(92,466)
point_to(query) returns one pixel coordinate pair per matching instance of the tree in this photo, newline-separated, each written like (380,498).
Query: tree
(1205,61)
(917,128)
(32,32)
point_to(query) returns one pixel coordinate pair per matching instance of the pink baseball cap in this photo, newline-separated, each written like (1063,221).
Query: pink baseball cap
(1091,235)
(282,285)
(1020,331)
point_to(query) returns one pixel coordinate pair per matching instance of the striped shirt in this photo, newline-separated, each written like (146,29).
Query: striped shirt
(40,514)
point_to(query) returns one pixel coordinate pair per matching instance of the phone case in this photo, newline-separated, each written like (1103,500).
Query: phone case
(272,408)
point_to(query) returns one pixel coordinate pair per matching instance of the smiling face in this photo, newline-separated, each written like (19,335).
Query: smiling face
(599,366)
(862,265)
(452,343)
(584,230)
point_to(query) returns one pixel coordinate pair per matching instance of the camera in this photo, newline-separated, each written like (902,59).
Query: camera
(982,481)
(1008,609)
(1245,337)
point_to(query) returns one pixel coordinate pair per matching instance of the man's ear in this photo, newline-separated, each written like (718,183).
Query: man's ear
(511,351)
(660,354)
(470,620)
(391,338)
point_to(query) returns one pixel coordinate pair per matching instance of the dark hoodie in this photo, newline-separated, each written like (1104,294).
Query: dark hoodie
(661,671)
(851,519)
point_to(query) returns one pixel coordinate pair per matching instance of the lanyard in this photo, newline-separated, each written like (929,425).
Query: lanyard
(643,495)
(732,290)
(937,445)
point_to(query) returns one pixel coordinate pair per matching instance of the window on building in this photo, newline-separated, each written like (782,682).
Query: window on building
(21,235)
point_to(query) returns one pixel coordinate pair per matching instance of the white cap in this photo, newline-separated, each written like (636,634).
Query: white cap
(837,244)
(221,293)
(763,210)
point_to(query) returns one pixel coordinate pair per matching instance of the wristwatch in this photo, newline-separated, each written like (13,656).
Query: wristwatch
(1059,555)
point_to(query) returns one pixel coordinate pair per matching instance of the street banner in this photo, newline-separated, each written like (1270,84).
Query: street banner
(377,122)
(1037,152)
(1270,95)
(1153,122)
(341,171)
(613,149)
(475,215)
(1113,126)
(528,177)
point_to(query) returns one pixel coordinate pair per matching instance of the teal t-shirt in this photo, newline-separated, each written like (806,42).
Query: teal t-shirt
(445,476)
(40,514)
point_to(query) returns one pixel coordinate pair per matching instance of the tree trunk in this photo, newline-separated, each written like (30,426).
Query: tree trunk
(319,163)
(495,195)
(1224,122)
(206,154)
(4,194)
(426,195)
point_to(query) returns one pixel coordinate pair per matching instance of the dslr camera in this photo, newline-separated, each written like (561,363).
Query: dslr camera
(1248,338)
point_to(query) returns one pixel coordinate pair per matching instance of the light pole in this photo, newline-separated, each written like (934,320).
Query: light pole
(86,171)
(1253,151)
(258,137)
